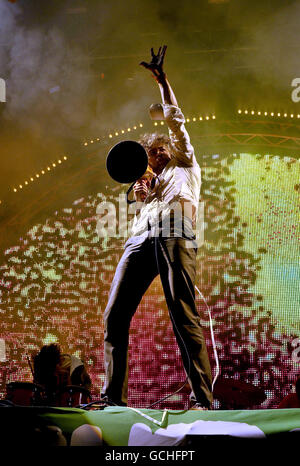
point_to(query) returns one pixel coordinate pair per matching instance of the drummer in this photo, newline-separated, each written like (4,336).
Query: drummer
(55,370)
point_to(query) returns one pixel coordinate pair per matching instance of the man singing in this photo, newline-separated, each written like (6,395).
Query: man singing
(163,243)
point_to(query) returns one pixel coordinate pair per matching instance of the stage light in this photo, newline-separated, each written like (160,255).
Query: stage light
(43,173)
(122,131)
(207,117)
(239,111)
(258,113)
(292,116)
(246,111)
(26,182)
(65,157)
(54,165)
(116,134)
(92,141)
(141,125)
(59,161)
(98,139)
(214,117)
(110,135)
(31,179)
(155,123)
(15,190)
(134,127)
(128,129)
(298,116)
(187,120)
(37,175)
(194,119)
(20,186)
(272,113)
(48,168)
(285,115)
(162,123)
(200,118)
(266,113)
(252,112)
(85,143)
(278,114)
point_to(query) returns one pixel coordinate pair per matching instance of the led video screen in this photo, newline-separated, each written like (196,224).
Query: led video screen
(55,282)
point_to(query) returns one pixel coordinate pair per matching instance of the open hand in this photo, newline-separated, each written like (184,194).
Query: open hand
(156,64)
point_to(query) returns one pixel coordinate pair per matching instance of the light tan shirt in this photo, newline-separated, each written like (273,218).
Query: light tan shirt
(180,180)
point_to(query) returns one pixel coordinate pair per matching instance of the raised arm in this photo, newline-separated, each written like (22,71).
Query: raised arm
(156,67)
(183,151)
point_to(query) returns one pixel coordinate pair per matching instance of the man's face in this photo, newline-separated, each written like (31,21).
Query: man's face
(158,157)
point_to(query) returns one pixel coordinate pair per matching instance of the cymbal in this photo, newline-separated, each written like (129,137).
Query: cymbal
(235,392)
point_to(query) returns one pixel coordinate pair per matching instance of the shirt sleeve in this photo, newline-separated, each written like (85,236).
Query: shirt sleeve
(183,150)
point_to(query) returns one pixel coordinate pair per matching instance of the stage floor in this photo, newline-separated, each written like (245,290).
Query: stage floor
(125,426)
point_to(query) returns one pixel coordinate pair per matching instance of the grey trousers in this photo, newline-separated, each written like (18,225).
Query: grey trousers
(140,264)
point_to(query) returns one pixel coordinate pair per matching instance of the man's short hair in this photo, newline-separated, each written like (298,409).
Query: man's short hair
(149,140)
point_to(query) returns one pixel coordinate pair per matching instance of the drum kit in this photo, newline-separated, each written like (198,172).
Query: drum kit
(231,394)
(32,394)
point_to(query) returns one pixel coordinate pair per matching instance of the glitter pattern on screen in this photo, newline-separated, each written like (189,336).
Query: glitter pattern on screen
(55,282)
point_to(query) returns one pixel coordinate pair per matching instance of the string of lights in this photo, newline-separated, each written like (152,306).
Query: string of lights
(32,178)
(265,113)
(140,125)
